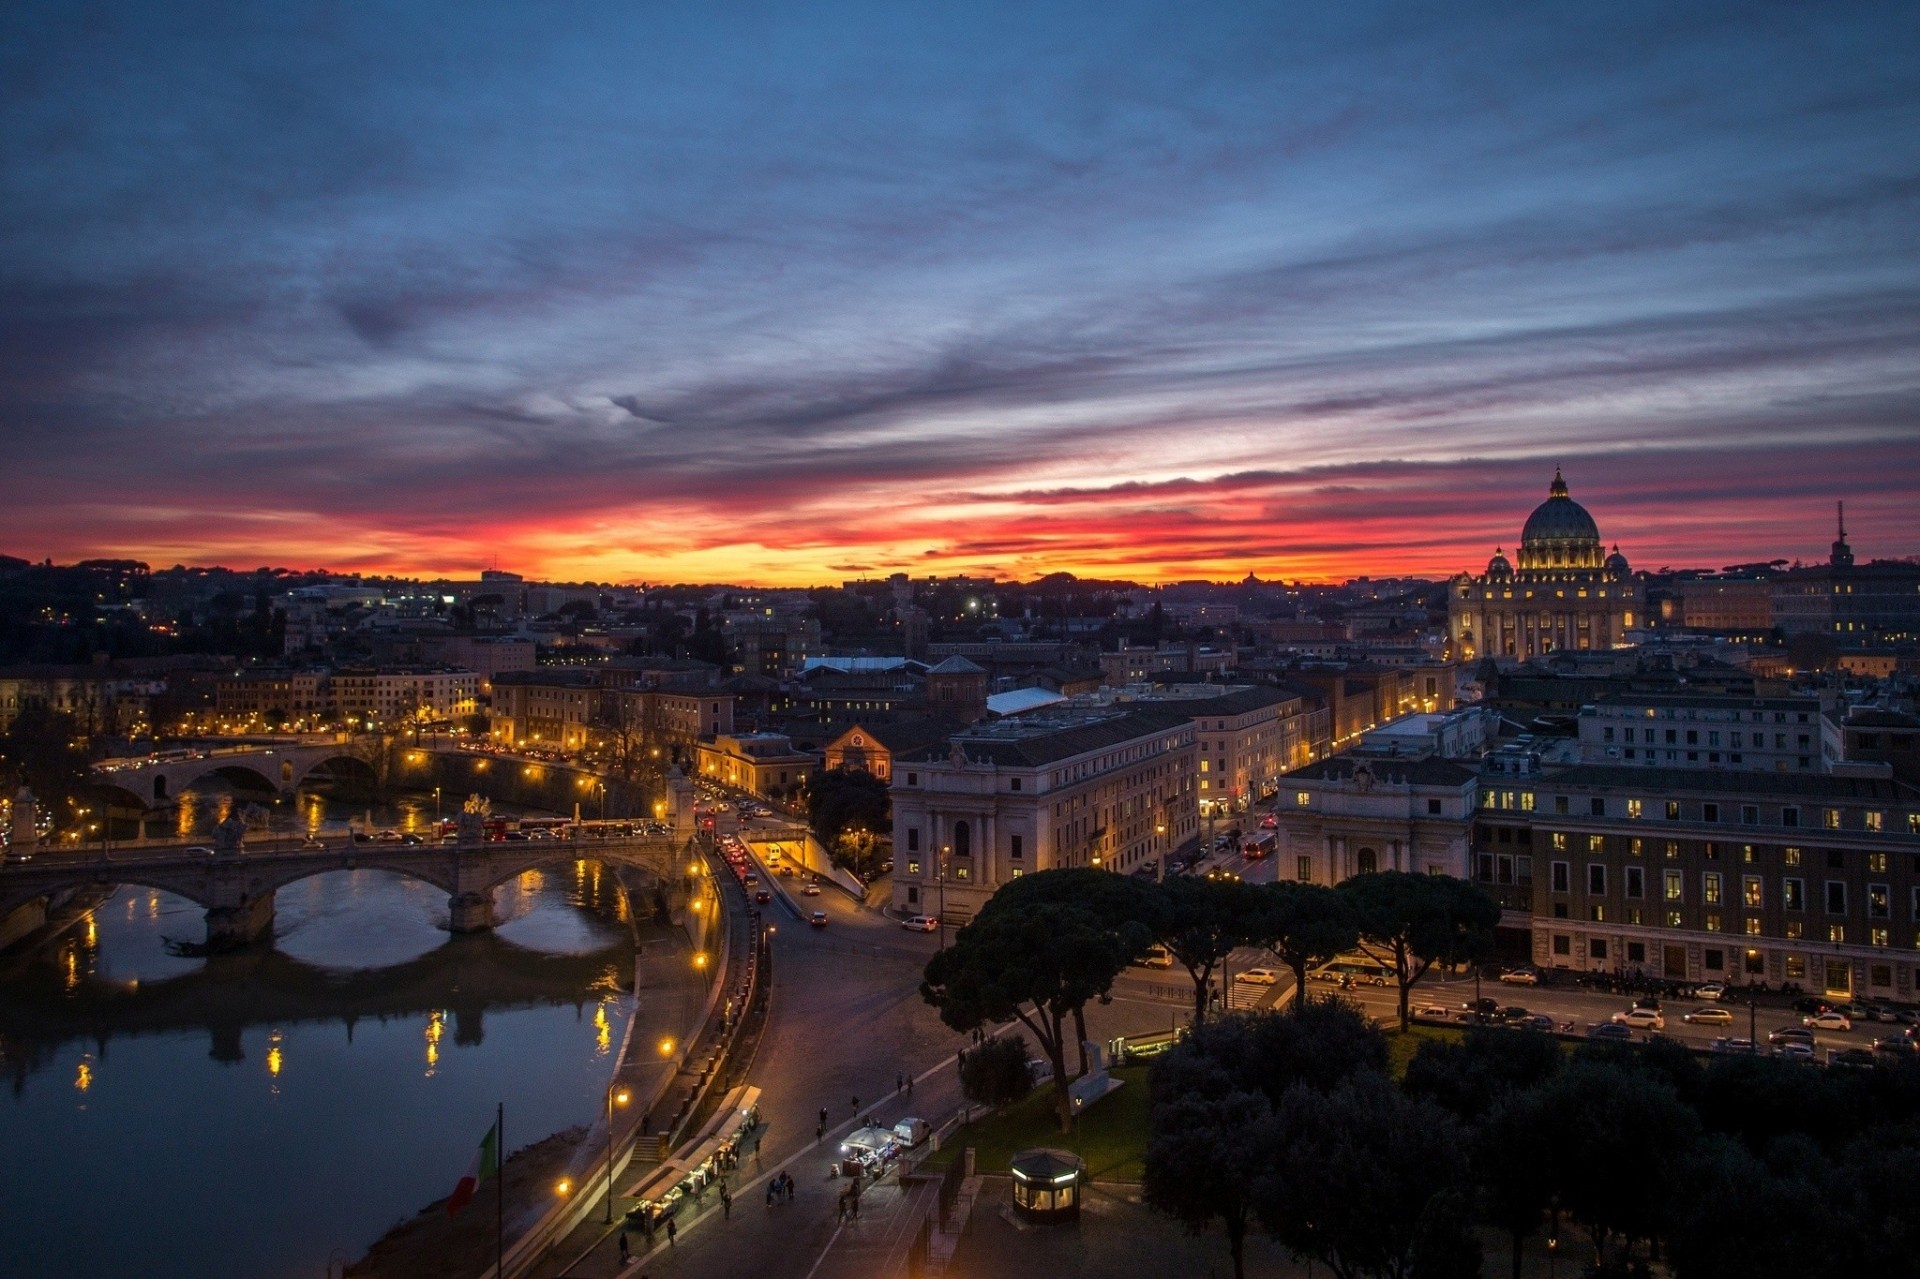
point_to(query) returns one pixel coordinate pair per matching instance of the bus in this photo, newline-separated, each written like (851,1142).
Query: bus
(1258,846)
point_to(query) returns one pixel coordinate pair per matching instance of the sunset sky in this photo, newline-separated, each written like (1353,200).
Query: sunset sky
(788,293)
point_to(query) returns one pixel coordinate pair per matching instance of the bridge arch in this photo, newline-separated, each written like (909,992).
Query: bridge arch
(337,767)
(239,776)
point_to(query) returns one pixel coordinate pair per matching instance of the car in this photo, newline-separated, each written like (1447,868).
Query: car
(818,919)
(1640,1019)
(786,870)
(920,923)
(1521,977)
(811,890)
(1852,1059)
(1832,1019)
(199,850)
(1708,1017)
(411,838)
(388,837)
(1269,822)
(886,867)
(1512,1013)
(1487,1006)
(763,897)
(1438,1012)
(1712,990)
(753,877)
(1791,1035)
(1794,1050)
(1811,1005)
(1854,1012)
(1610,1030)
(18,856)
(1883,1012)
(1258,976)
(1535,1021)
(1727,1045)
(1895,1046)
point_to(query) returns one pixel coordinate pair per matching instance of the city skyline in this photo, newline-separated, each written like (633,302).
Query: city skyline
(783,299)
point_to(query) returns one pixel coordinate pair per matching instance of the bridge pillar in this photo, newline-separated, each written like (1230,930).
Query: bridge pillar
(470,912)
(231,926)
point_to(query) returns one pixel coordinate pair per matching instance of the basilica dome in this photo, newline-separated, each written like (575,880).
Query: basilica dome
(1560,533)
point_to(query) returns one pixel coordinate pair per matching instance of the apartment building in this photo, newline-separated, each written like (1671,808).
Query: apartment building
(1110,788)
(1688,730)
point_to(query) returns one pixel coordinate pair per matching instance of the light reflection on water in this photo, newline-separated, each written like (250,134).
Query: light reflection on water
(320,1134)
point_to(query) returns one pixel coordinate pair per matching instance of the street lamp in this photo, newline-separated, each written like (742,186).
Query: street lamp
(619,1095)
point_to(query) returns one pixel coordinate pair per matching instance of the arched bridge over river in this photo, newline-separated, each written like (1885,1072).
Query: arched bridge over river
(237,889)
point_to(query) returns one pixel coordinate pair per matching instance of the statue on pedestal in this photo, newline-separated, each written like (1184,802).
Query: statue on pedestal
(472,822)
(230,836)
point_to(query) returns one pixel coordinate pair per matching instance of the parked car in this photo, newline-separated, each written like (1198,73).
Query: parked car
(1486,1005)
(1832,1019)
(1791,1035)
(1811,1005)
(920,923)
(1437,1011)
(818,919)
(1708,1017)
(1521,977)
(1640,1019)
(1512,1013)
(1895,1046)
(1712,990)
(1794,1050)
(1610,1030)
(1258,976)
(1851,1059)
(1726,1045)
(1535,1021)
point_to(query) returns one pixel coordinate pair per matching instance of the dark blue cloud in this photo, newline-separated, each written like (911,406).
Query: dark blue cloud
(337,253)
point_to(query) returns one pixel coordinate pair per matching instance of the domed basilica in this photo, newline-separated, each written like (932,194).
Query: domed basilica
(1566,593)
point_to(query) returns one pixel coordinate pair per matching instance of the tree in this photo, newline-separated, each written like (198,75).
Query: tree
(843,800)
(1204,1155)
(1620,1142)
(39,752)
(1470,1076)
(1740,1218)
(1355,1175)
(1509,1156)
(1040,964)
(1321,1048)
(1200,922)
(1411,922)
(995,1073)
(1304,925)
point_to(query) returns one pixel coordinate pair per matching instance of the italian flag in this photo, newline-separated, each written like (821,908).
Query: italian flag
(486,1163)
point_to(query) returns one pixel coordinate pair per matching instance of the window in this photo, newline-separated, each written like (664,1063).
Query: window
(1836,897)
(1877,936)
(1636,882)
(1672,888)
(913,779)
(913,839)
(1433,808)
(1633,809)
(1597,947)
(1837,934)
(1749,813)
(1748,854)
(1014,849)
(1562,944)
(1789,817)
(1015,784)
(1673,919)
(1791,856)
(1302,798)
(1713,926)
(1709,812)
(1796,967)
(1636,846)
(1877,863)
(1874,821)
(1634,917)
(962,840)
(1831,819)
(1598,807)
(1714,958)
(1753,925)
(1597,879)
(1752,895)
(913,866)
(1559,841)
(1672,849)
(1710,888)
(1596,843)
(1835,859)
(1879,901)
(1560,804)
(1560,878)
(962,872)
(1303,871)
(1673,810)
(1793,894)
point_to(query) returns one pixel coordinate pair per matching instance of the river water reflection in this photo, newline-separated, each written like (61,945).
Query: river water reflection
(252,1114)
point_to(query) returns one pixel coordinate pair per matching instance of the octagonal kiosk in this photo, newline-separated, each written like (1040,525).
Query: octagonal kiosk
(1047,1185)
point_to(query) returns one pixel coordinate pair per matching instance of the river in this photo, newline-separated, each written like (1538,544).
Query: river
(262,1114)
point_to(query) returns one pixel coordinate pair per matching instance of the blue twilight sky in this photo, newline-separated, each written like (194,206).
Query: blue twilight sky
(784,292)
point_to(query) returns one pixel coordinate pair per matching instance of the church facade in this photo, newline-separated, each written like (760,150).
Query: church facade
(1566,592)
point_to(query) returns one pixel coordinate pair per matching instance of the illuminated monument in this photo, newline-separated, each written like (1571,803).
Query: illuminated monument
(1566,593)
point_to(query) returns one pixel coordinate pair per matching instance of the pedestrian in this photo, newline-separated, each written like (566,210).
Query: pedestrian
(626,1252)
(819,1131)
(726,1204)
(909,1085)
(899,1084)
(853,1202)
(646,1125)
(770,1196)
(671,1231)
(856,1105)
(840,1209)
(823,1119)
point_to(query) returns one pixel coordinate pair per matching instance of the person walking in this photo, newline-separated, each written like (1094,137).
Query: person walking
(726,1203)
(823,1117)
(856,1105)
(671,1230)
(626,1252)
(819,1131)
(909,1085)
(840,1210)
(899,1084)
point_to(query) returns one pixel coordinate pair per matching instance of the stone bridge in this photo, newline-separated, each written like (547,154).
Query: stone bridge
(237,889)
(279,769)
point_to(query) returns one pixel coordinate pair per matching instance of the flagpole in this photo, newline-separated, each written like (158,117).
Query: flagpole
(500,1193)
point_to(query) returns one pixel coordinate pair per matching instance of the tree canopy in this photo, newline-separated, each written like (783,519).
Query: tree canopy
(1412,922)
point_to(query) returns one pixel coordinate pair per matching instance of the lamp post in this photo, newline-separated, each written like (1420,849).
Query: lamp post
(940,878)
(615,1093)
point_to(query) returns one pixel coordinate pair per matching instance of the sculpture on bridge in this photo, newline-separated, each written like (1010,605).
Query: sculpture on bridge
(230,835)
(26,814)
(472,824)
